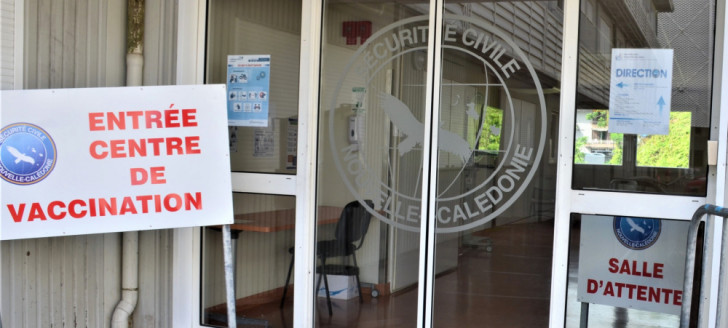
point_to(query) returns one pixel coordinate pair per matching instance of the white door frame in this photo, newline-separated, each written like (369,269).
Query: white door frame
(719,131)
(595,202)
(191,29)
(308,118)
(186,241)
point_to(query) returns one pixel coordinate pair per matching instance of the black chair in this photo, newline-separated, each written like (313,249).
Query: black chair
(350,230)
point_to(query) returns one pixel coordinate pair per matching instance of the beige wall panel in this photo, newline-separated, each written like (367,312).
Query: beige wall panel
(70,281)
(7,44)
(154,308)
(74,43)
(75,281)
(160,37)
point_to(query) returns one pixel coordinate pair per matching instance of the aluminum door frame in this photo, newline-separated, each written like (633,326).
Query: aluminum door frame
(186,259)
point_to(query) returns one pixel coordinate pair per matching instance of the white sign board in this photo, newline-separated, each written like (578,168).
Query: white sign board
(82,161)
(640,91)
(632,262)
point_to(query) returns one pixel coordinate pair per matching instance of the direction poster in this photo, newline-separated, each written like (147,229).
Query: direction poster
(640,91)
(248,85)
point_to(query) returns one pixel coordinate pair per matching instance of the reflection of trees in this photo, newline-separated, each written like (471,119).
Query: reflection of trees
(600,117)
(578,153)
(598,140)
(671,150)
(491,134)
(618,139)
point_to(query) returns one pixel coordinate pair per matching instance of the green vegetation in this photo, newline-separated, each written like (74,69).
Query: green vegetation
(578,154)
(618,139)
(672,150)
(599,115)
(490,136)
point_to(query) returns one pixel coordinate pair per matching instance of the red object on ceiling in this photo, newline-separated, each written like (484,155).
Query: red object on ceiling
(353,30)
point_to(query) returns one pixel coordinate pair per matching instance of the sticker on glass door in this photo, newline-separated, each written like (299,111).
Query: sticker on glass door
(491,133)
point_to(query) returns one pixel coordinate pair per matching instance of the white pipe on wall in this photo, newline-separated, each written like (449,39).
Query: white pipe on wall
(134,68)
(130,239)
(129,280)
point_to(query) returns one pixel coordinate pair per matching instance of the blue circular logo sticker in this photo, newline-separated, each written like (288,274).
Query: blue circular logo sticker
(636,233)
(27,153)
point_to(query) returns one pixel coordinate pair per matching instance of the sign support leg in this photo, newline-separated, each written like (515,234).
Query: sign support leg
(229,278)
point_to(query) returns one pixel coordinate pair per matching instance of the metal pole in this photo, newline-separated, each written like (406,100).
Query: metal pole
(584,318)
(721,280)
(690,259)
(229,276)
(690,265)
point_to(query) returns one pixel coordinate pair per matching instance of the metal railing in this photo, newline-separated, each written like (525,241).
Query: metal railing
(710,210)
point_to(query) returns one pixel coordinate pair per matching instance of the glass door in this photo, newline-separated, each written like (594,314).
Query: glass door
(496,163)
(372,134)
(638,124)
(456,101)
(452,148)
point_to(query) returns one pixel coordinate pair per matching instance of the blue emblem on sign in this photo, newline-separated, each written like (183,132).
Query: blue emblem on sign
(636,233)
(27,153)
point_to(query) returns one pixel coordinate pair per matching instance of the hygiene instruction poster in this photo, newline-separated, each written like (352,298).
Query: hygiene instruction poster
(640,91)
(248,85)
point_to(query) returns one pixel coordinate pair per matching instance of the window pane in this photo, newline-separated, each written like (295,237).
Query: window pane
(262,239)
(240,35)
(654,138)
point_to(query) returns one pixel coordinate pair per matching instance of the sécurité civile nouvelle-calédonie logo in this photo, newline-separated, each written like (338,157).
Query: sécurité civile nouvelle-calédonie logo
(390,175)
(27,153)
(636,233)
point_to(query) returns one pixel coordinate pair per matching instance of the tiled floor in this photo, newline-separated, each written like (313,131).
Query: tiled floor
(508,286)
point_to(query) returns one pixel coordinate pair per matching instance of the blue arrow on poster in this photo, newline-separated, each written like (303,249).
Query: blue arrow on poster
(640,91)
(248,89)
(661,103)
